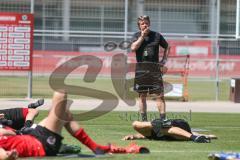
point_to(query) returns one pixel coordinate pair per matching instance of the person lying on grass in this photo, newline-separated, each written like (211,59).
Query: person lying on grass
(45,138)
(15,121)
(171,129)
(17,118)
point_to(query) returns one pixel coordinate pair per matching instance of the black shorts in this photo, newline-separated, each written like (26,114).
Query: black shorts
(181,124)
(148,78)
(159,124)
(51,141)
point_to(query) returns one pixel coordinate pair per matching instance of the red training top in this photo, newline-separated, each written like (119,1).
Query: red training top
(26,145)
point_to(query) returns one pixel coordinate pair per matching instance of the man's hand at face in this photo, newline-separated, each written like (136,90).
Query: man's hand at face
(145,32)
(1,115)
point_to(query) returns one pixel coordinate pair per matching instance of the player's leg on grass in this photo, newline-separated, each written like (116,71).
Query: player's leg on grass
(60,116)
(181,134)
(83,137)
(177,133)
(76,131)
(144,128)
(57,116)
(211,136)
(31,115)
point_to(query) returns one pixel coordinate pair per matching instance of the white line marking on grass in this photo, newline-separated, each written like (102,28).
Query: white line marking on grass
(173,151)
(235,127)
(127,125)
(179,151)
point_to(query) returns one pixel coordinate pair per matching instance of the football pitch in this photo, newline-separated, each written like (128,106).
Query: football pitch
(15,86)
(111,127)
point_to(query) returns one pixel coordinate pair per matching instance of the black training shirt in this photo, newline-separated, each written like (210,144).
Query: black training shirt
(149,49)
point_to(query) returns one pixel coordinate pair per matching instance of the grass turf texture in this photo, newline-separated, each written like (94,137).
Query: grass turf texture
(198,89)
(113,126)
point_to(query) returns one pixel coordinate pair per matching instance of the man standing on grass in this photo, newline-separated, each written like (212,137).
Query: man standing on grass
(148,77)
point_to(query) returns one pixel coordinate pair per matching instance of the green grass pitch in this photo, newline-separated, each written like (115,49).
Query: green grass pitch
(199,90)
(113,126)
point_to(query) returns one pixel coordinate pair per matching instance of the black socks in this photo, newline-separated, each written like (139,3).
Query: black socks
(193,137)
(162,116)
(200,139)
(144,117)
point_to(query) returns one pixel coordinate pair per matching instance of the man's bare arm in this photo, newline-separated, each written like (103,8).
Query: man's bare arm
(133,136)
(135,45)
(165,55)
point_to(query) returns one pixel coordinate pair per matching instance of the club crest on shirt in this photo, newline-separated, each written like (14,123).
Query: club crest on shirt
(51,140)
(137,86)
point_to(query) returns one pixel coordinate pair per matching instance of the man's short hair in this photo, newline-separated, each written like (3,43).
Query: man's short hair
(142,18)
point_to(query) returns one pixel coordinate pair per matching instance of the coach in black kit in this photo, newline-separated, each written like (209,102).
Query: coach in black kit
(148,76)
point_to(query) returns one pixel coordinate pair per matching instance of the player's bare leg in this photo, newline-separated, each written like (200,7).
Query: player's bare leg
(32,113)
(143,106)
(58,115)
(177,133)
(144,128)
(79,133)
(161,105)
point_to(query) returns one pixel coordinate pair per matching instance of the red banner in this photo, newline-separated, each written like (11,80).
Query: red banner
(44,62)
(191,47)
(16,41)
